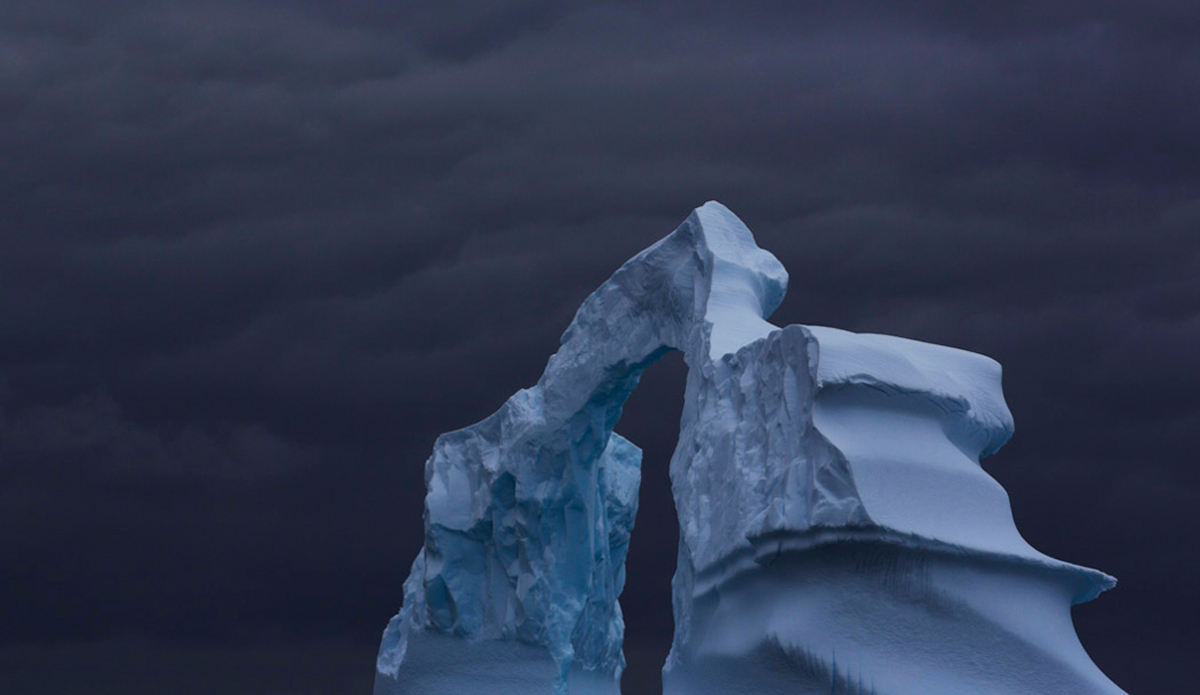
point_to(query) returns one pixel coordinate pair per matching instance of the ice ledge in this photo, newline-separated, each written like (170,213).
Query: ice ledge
(953,378)
(1085,583)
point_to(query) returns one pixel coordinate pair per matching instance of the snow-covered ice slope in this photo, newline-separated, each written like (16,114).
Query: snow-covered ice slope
(837,531)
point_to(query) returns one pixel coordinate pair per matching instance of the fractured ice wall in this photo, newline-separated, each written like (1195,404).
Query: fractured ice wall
(836,531)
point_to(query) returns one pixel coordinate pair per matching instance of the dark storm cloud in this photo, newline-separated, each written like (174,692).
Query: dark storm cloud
(304,668)
(255,256)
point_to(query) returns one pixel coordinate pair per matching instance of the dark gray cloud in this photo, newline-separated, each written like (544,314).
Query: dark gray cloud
(255,256)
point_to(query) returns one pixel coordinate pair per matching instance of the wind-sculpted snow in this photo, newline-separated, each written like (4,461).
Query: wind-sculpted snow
(837,533)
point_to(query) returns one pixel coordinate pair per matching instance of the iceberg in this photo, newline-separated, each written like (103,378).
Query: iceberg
(837,533)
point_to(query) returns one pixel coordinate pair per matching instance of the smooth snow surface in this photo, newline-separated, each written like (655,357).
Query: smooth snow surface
(869,617)
(837,533)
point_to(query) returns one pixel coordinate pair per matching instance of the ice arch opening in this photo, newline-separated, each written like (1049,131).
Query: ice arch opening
(651,420)
(797,442)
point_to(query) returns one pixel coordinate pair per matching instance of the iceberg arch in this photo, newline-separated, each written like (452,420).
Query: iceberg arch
(837,533)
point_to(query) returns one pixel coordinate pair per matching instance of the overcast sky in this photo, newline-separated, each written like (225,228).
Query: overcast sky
(255,256)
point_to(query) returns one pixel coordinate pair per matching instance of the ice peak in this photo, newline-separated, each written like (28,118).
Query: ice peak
(745,283)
